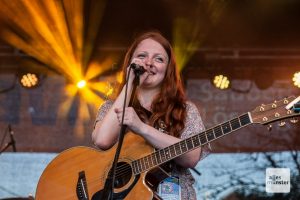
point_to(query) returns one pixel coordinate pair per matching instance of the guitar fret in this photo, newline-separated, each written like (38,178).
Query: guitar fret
(239,121)
(189,144)
(229,125)
(173,152)
(210,134)
(178,149)
(163,155)
(203,138)
(158,157)
(153,160)
(166,153)
(226,128)
(235,123)
(134,167)
(157,160)
(150,161)
(183,146)
(170,152)
(196,141)
(245,119)
(218,131)
(139,165)
(206,137)
(143,164)
(147,162)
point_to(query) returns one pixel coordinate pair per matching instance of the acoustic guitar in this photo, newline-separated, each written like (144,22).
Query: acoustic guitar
(80,173)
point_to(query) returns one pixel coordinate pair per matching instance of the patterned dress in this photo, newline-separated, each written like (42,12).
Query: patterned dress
(193,125)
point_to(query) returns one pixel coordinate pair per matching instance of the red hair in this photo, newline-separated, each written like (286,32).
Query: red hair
(169,105)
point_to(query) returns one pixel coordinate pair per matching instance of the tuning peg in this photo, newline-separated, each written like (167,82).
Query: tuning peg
(269,127)
(281,123)
(294,120)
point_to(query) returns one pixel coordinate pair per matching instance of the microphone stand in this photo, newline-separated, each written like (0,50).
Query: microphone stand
(108,190)
(6,146)
(11,143)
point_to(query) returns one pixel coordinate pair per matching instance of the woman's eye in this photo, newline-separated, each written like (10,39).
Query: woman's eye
(141,56)
(159,59)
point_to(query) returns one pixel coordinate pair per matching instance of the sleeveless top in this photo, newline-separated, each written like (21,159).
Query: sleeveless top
(193,125)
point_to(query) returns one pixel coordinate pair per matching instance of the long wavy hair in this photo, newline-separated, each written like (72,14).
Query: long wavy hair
(169,106)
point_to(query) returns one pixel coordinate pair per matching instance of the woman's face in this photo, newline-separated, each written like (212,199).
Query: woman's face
(153,57)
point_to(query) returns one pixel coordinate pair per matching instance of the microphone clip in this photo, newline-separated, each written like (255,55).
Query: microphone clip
(137,69)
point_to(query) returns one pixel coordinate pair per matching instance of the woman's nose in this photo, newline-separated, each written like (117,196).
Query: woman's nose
(148,62)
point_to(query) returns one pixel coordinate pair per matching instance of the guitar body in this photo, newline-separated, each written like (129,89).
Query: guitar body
(80,173)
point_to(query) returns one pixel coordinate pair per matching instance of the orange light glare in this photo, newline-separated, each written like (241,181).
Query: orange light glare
(81,84)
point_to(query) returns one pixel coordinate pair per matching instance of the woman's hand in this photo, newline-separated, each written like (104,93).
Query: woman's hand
(142,76)
(131,119)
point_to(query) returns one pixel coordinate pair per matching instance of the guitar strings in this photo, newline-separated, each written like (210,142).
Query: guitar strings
(144,164)
(124,170)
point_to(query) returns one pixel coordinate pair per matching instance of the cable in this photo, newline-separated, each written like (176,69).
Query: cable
(3,138)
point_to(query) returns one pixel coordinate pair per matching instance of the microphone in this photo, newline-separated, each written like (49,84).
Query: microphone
(12,139)
(137,69)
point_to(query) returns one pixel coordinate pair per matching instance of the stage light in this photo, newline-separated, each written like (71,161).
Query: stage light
(81,84)
(222,82)
(29,80)
(296,79)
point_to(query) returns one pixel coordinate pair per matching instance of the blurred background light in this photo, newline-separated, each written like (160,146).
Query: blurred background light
(296,79)
(221,81)
(81,84)
(29,80)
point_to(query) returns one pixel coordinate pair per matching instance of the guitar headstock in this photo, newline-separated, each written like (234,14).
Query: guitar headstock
(278,110)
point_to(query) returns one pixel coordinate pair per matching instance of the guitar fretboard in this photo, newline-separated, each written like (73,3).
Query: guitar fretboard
(168,153)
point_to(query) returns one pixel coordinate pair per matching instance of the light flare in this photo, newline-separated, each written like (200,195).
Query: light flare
(190,29)
(53,33)
(81,84)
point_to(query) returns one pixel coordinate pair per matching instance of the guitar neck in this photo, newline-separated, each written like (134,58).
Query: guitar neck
(168,153)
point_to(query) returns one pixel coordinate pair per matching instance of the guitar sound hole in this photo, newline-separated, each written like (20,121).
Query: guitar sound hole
(123,174)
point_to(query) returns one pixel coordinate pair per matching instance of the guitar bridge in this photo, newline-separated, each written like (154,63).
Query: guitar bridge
(81,189)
